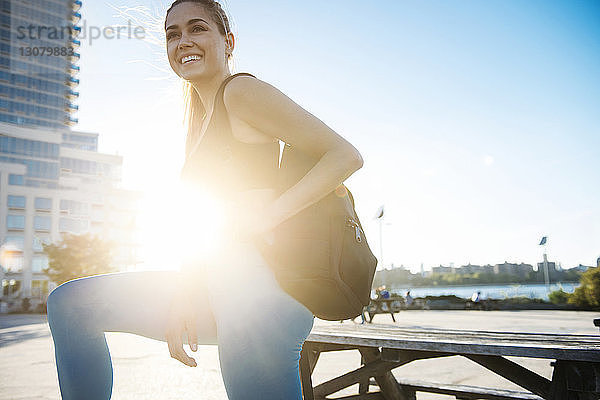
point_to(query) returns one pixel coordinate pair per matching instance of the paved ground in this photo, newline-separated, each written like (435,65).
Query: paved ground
(144,370)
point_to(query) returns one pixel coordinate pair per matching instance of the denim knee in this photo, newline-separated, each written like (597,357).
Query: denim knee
(57,299)
(63,299)
(69,309)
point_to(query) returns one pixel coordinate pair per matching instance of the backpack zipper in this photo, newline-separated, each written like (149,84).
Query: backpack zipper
(358,232)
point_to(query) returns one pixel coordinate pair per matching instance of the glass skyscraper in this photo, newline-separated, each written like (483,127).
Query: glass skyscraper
(38,62)
(53,179)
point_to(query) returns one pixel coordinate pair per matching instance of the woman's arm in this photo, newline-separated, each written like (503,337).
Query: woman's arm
(187,277)
(273,113)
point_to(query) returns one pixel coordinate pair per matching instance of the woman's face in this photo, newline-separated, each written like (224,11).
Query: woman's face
(195,47)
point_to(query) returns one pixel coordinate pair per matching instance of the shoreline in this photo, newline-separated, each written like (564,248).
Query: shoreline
(402,287)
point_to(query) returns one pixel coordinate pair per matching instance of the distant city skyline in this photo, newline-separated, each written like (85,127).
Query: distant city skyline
(475,267)
(477,121)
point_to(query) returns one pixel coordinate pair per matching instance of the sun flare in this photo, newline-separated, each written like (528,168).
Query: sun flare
(176,223)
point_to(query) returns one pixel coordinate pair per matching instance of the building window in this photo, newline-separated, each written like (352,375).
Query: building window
(42,223)
(35,169)
(39,242)
(15,222)
(39,263)
(18,180)
(16,201)
(73,207)
(27,147)
(13,243)
(12,262)
(10,287)
(72,225)
(39,289)
(42,203)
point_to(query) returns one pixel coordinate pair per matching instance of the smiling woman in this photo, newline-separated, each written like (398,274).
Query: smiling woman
(225,292)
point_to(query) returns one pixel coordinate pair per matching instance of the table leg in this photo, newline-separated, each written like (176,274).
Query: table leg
(306,372)
(363,386)
(575,380)
(389,305)
(514,373)
(387,382)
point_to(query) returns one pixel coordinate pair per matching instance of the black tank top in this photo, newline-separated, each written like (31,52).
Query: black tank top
(223,165)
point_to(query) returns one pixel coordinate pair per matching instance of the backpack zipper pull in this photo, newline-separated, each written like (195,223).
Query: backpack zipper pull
(358,237)
(357,229)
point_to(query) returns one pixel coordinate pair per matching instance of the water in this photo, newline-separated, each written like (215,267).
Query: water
(533,291)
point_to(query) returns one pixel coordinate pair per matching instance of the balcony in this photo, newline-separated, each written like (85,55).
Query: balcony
(77,5)
(70,107)
(72,81)
(71,121)
(76,42)
(75,17)
(72,94)
(76,30)
(74,67)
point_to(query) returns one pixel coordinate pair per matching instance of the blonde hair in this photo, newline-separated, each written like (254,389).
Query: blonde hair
(193,106)
(192,101)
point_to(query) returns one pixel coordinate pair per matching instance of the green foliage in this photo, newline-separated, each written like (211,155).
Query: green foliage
(588,292)
(571,275)
(558,297)
(522,300)
(77,256)
(447,297)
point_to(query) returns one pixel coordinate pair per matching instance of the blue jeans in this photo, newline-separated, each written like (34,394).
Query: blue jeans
(259,328)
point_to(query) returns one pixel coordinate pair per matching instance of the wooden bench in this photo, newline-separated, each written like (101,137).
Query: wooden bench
(377,307)
(390,306)
(576,362)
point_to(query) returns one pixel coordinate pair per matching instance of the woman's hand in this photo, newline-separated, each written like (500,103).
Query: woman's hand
(251,223)
(181,320)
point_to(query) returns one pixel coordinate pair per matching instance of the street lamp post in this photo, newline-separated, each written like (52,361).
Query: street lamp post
(381,240)
(379,216)
(546,272)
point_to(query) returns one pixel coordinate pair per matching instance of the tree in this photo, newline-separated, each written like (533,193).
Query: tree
(76,256)
(588,292)
(558,297)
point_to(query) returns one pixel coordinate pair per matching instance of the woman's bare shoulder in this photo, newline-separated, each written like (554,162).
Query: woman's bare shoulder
(245,87)
(264,107)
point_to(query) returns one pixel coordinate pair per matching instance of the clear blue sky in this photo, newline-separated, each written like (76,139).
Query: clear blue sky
(478,121)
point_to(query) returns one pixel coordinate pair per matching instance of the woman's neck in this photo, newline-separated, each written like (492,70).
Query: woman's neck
(207,90)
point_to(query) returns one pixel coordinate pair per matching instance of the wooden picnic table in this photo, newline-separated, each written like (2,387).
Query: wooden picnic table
(576,362)
(390,306)
(377,307)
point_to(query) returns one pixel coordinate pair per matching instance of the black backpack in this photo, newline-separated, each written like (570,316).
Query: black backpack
(320,256)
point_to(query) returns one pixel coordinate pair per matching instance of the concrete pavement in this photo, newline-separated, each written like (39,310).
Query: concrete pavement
(143,368)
